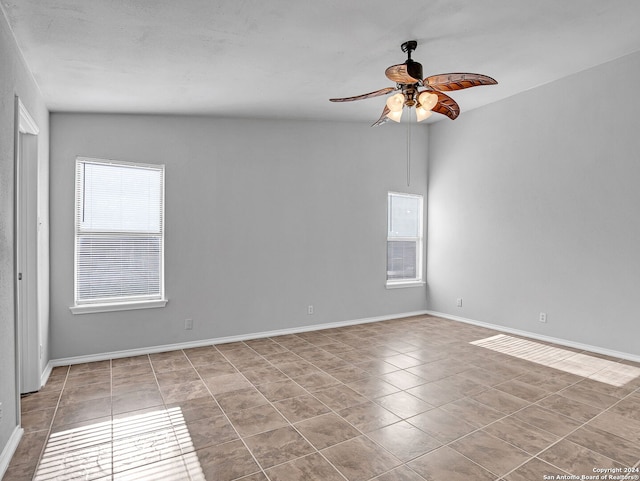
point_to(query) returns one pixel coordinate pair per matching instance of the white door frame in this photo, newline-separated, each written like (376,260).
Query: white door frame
(28,376)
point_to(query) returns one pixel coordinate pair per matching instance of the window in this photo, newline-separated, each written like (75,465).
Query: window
(404,240)
(119,236)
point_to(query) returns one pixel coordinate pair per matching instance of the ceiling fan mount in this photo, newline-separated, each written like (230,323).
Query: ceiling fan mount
(409,46)
(425,94)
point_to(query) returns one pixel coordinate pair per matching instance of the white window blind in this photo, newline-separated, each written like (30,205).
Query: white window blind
(119,232)
(404,238)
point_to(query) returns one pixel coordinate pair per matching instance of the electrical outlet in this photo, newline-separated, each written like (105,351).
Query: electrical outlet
(459,302)
(188,324)
(310,310)
(543,317)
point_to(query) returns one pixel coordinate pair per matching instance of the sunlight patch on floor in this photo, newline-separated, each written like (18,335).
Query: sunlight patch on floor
(148,445)
(598,369)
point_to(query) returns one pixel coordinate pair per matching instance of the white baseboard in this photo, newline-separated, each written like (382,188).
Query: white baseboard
(45,374)
(563,342)
(222,340)
(10,449)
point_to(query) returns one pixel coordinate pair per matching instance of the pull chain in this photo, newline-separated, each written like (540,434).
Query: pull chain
(409,149)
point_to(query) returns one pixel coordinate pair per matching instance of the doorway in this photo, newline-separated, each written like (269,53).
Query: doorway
(28,342)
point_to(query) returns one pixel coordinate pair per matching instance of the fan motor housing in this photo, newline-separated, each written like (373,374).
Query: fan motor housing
(414,69)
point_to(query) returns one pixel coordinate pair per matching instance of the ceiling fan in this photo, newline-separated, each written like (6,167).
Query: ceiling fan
(425,95)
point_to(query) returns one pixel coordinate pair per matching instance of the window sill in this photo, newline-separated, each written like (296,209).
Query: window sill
(400,285)
(120,306)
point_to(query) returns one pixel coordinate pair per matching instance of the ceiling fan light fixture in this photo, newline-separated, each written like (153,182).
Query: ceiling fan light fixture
(422,113)
(395,116)
(427,100)
(396,102)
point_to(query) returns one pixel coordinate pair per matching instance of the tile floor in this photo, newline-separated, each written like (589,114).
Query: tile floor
(404,400)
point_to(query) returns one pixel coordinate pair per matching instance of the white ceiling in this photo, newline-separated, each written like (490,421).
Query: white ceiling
(286,58)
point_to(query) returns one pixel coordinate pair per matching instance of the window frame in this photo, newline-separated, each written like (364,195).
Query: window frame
(418,280)
(126,302)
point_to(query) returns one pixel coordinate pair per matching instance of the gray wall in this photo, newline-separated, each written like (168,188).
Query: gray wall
(262,219)
(15,79)
(533,207)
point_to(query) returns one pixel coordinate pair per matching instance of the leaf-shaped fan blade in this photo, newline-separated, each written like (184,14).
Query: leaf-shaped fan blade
(446,106)
(377,93)
(398,74)
(383,118)
(446,82)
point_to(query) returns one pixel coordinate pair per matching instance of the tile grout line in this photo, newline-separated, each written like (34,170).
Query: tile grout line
(534,403)
(562,438)
(271,403)
(164,406)
(403,463)
(182,452)
(334,339)
(362,433)
(46,440)
(402,419)
(328,407)
(224,412)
